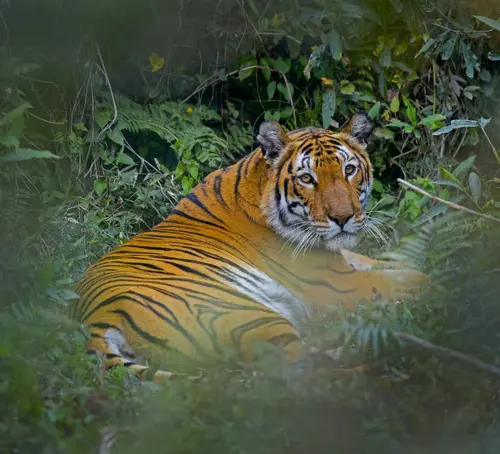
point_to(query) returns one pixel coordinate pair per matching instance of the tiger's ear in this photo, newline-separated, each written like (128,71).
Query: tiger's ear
(360,127)
(273,140)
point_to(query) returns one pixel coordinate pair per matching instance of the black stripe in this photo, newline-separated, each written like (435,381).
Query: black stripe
(192,218)
(101,325)
(237,333)
(149,337)
(194,199)
(173,324)
(284,339)
(210,330)
(217,188)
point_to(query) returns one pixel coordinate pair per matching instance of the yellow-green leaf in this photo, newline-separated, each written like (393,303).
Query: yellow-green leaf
(157,62)
(347,88)
(395,104)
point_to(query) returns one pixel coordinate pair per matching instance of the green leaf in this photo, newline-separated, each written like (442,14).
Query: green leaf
(193,168)
(346,87)
(24,154)
(286,113)
(448,47)
(9,141)
(377,186)
(187,184)
(271,89)
(431,119)
(272,115)
(102,117)
(444,130)
(328,108)
(475,186)
(14,114)
(489,22)
(125,159)
(117,137)
(247,69)
(398,124)
(470,59)
(283,89)
(281,65)
(266,70)
(70,295)
(432,213)
(395,104)
(375,110)
(383,133)
(426,47)
(294,48)
(464,167)
(449,183)
(314,60)
(335,44)
(385,57)
(494,55)
(449,176)
(100,186)
(457,124)
(222,75)
(485,75)
(411,111)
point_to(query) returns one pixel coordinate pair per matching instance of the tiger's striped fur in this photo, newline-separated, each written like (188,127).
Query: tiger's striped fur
(225,269)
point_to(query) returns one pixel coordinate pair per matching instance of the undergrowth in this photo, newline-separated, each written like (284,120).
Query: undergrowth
(92,155)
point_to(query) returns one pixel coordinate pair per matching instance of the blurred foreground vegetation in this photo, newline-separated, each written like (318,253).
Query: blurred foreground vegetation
(111,111)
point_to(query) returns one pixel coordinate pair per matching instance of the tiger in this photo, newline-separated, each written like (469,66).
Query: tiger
(246,256)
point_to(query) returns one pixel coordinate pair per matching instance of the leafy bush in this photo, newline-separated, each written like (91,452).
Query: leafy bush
(89,159)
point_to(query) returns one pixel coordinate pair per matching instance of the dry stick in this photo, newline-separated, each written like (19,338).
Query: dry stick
(495,152)
(446,202)
(447,352)
(215,78)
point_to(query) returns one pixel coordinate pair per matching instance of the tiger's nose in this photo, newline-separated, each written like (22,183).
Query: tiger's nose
(340,220)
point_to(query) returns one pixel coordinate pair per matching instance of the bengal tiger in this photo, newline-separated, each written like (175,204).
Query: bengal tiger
(246,255)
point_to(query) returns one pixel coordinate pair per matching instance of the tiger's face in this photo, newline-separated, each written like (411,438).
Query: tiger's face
(319,183)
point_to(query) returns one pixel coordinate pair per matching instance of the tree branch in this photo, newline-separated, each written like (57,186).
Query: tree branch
(446,202)
(447,352)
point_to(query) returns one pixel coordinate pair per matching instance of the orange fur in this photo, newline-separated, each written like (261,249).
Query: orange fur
(218,272)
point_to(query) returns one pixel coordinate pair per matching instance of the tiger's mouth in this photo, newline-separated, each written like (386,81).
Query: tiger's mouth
(341,240)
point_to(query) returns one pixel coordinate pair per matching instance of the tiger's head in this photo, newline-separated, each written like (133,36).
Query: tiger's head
(319,182)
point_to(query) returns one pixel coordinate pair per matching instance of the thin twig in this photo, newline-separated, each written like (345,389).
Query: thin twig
(108,84)
(446,202)
(290,98)
(143,161)
(405,153)
(495,152)
(47,121)
(447,352)
(460,144)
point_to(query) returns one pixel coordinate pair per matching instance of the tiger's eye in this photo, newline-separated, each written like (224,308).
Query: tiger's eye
(306,178)
(349,169)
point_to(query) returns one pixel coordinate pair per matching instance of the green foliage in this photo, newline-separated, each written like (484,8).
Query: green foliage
(129,146)
(46,382)
(198,148)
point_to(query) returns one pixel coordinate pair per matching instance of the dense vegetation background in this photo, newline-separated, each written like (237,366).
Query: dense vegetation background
(112,110)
